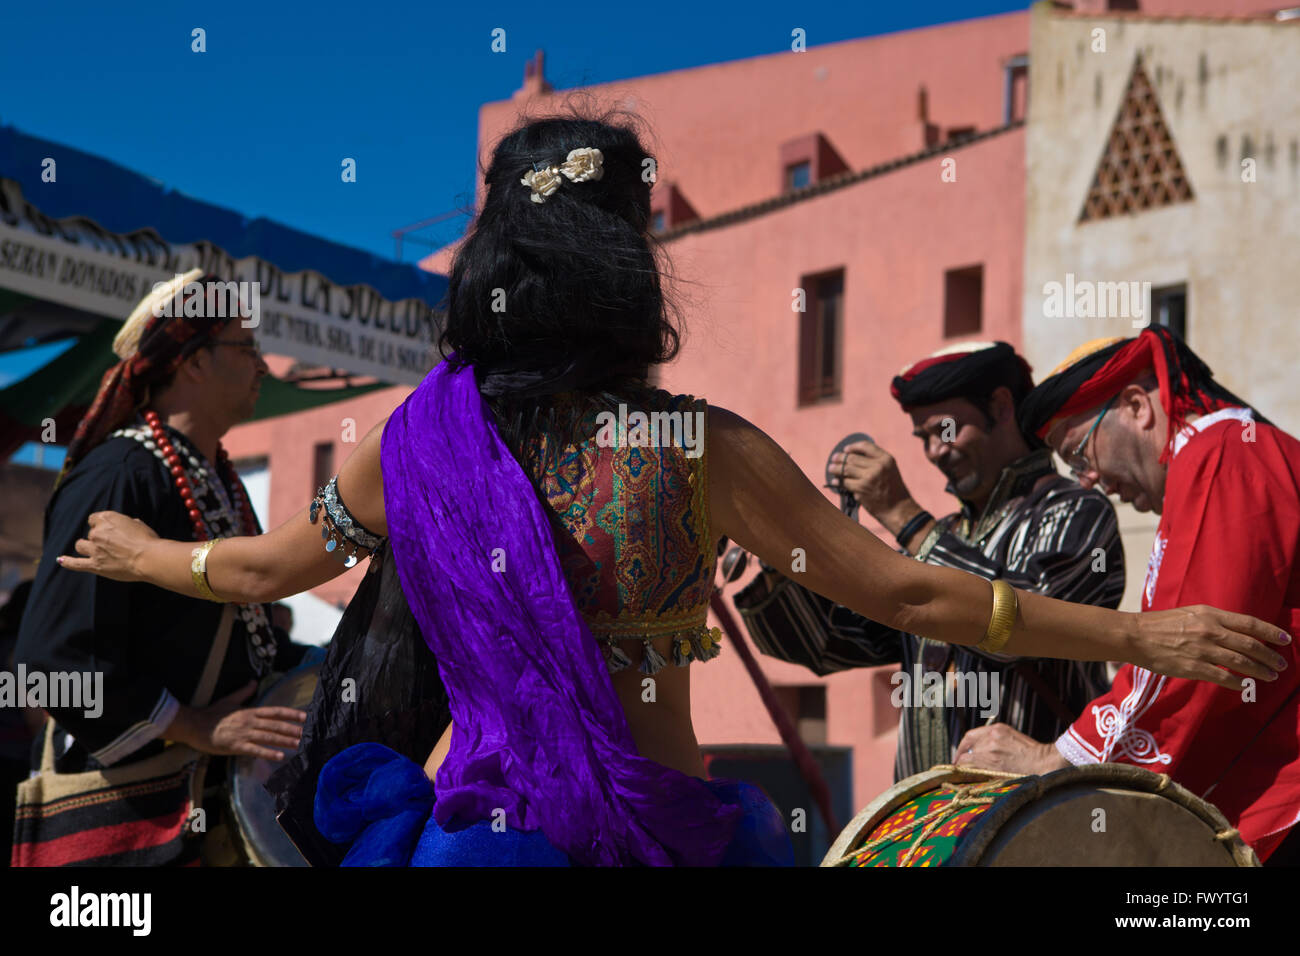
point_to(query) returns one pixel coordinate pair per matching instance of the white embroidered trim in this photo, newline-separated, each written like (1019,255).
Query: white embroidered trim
(139,734)
(1116,726)
(1153,569)
(1205,421)
(1121,738)
(1067,745)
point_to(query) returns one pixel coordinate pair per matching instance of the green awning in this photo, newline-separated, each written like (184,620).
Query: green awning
(278,397)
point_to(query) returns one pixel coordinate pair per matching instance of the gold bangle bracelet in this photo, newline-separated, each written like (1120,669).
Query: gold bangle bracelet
(1005,608)
(199,571)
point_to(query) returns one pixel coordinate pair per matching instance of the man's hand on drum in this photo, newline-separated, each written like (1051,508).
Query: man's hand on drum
(226,728)
(871,475)
(999,747)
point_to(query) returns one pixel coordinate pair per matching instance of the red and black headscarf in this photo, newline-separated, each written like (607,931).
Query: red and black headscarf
(170,324)
(971,370)
(1096,372)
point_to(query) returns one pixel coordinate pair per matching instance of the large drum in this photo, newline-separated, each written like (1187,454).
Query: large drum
(251,806)
(1100,815)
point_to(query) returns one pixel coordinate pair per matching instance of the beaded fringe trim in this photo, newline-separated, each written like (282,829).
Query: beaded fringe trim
(702,644)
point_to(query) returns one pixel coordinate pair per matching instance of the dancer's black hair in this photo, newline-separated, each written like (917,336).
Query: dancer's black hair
(559,305)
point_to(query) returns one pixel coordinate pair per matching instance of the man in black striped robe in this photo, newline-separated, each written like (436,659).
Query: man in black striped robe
(1019,520)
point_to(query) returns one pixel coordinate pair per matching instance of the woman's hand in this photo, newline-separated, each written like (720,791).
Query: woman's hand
(248,569)
(1198,642)
(112,547)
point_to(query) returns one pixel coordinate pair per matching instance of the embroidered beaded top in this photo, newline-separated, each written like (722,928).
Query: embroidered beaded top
(630,511)
(629,508)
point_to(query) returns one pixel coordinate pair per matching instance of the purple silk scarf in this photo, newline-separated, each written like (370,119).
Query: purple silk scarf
(540,733)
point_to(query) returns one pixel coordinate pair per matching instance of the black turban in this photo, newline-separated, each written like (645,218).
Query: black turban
(971,371)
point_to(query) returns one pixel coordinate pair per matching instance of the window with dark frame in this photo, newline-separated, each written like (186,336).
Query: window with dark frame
(1169,308)
(798,175)
(322,465)
(820,335)
(811,719)
(1015,92)
(963,301)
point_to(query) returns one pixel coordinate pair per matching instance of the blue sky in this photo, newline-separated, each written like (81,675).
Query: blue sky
(261,122)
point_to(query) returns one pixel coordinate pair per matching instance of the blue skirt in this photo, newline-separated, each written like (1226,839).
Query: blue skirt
(381,803)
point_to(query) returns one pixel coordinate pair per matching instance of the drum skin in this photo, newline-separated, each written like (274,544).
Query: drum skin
(251,806)
(1100,815)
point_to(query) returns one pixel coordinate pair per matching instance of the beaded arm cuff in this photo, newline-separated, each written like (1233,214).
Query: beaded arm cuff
(339,529)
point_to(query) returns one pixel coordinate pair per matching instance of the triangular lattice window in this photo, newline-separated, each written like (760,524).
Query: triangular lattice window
(1140,168)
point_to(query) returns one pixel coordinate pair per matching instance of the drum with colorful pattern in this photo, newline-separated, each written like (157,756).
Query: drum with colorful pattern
(1101,815)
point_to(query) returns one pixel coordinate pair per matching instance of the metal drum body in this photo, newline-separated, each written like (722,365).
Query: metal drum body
(1100,815)
(252,808)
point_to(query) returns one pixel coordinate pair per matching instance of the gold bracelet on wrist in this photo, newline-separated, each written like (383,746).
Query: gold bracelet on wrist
(199,571)
(1005,608)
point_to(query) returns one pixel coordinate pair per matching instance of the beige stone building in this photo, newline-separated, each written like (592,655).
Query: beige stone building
(1163,185)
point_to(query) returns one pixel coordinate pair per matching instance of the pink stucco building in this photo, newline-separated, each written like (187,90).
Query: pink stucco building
(885,178)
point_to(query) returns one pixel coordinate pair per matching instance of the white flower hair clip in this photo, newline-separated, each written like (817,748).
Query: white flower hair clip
(580,166)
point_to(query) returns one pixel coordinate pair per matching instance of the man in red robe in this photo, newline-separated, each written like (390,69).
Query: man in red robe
(1145,419)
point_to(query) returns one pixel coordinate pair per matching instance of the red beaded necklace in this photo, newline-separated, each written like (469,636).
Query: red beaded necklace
(182,480)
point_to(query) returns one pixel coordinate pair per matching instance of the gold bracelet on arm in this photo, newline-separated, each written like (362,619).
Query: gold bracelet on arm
(199,571)
(1005,608)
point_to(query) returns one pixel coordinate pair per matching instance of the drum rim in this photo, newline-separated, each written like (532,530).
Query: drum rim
(977,842)
(241,765)
(1031,787)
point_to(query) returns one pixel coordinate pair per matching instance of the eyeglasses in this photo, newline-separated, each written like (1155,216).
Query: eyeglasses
(1077,460)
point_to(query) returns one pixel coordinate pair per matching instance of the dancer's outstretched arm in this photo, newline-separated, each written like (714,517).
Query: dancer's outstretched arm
(267,567)
(759,498)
